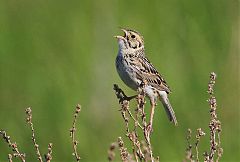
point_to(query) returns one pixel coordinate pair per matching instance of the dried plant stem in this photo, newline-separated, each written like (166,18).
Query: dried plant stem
(189,155)
(219,150)
(151,153)
(125,156)
(29,121)
(72,133)
(125,111)
(16,152)
(137,147)
(48,156)
(111,153)
(124,101)
(147,132)
(200,133)
(214,124)
(215,130)
(9,157)
(135,121)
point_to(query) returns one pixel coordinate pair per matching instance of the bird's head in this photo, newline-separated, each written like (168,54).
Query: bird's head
(130,40)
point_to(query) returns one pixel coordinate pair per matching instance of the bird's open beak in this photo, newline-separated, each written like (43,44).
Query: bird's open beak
(124,36)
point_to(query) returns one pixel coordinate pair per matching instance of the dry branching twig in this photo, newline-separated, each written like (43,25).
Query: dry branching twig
(125,156)
(200,133)
(189,155)
(14,146)
(29,121)
(141,151)
(9,157)
(48,156)
(72,133)
(214,124)
(111,151)
(146,131)
(16,152)
(215,130)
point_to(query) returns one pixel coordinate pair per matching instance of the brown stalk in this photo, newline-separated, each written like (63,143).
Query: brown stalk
(72,133)
(48,156)
(214,124)
(140,152)
(13,145)
(29,121)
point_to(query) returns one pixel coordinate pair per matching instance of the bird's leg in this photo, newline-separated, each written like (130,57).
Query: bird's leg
(152,113)
(153,104)
(148,129)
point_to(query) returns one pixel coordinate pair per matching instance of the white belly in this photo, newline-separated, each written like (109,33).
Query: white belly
(127,75)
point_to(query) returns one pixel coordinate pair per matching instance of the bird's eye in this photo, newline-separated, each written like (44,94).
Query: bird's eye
(132,36)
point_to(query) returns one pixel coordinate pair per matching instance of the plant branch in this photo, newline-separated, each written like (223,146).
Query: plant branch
(72,133)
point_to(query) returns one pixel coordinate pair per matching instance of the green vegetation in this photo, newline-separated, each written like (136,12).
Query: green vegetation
(55,54)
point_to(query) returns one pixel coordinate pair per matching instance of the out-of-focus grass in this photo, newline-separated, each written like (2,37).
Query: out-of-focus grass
(55,54)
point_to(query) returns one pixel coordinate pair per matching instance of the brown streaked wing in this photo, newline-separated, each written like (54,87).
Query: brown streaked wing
(146,72)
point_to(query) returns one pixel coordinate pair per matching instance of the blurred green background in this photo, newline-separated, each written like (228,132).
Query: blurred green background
(55,54)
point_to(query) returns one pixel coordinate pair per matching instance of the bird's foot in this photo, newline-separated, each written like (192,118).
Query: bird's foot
(121,95)
(149,128)
(130,98)
(147,132)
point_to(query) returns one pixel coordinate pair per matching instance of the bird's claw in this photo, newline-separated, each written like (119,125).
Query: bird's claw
(149,128)
(147,132)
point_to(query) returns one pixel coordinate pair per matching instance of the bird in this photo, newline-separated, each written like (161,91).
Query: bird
(135,69)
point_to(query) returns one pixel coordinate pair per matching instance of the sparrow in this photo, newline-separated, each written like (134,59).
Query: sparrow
(135,70)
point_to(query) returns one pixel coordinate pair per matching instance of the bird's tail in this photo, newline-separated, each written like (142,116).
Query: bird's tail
(168,108)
